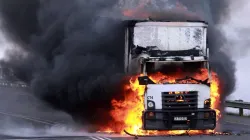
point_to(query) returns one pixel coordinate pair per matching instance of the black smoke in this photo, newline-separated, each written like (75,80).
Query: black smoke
(214,12)
(74,55)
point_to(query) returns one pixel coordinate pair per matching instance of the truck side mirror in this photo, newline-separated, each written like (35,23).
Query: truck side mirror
(145,80)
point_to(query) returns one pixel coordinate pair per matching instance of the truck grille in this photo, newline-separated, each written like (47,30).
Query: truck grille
(187,100)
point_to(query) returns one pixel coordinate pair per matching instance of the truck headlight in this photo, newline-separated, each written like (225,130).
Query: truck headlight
(207,103)
(151,104)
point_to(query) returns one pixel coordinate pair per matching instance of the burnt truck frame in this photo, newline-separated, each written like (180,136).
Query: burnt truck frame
(162,109)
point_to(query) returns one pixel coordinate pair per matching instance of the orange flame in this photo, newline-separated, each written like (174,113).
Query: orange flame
(127,113)
(140,12)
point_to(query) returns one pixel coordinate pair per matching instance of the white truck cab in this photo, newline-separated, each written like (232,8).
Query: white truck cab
(178,105)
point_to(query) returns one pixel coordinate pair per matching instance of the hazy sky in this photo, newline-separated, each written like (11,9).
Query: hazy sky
(237,30)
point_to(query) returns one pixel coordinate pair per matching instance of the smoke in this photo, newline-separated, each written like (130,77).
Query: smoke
(237,32)
(27,130)
(237,29)
(17,127)
(74,56)
(74,49)
(221,61)
(214,12)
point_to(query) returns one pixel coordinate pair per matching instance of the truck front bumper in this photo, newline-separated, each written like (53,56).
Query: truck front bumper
(200,119)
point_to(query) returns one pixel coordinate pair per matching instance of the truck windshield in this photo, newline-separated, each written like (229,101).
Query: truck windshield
(178,73)
(187,80)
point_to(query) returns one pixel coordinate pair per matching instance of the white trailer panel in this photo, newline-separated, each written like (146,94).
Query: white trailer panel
(171,35)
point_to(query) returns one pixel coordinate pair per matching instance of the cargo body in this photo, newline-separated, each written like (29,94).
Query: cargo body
(171,106)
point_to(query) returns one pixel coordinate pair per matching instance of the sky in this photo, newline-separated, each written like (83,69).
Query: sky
(237,30)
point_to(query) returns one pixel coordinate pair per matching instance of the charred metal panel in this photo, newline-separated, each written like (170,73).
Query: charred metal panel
(171,36)
(127,50)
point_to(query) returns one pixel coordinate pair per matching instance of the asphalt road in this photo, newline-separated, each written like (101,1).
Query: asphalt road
(22,102)
(22,116)
(245,137)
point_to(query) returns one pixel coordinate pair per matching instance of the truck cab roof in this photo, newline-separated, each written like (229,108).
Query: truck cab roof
(133,23)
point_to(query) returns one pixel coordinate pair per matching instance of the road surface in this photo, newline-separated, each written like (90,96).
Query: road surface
(23,116)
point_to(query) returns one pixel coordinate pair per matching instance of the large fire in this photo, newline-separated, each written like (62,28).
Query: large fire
(127,113)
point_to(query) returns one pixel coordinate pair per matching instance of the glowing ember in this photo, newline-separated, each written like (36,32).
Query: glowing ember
(128,113)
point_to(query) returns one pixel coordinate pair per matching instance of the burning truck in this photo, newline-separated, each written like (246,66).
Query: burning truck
(169,103)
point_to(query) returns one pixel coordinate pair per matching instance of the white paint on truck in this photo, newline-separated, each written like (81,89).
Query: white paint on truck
(155,91)
(171,35)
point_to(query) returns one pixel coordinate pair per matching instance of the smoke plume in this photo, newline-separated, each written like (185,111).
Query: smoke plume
(74,56)
(75,48)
